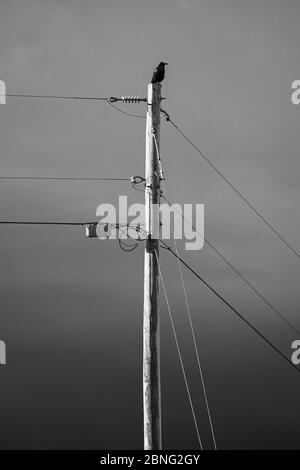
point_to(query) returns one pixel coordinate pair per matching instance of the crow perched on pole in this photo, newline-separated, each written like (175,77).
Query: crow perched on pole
(159,73)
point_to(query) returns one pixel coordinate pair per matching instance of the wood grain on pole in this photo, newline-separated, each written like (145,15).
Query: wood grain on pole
(151,335)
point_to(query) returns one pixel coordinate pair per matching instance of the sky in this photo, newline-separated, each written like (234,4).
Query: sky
(71,307)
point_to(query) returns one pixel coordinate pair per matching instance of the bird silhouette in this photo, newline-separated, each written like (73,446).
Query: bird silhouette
(159,73)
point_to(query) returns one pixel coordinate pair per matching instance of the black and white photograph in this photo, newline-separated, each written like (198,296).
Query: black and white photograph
(149,230)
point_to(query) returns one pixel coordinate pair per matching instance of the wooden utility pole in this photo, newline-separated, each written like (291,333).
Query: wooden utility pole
(151,339)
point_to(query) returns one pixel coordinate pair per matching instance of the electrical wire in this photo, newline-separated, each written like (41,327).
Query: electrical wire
(41,222)
(229,264)
(234,310)
(127,247)
(64,178)
(179,351)
(38,222)
(136,180)
(236,271)
(187,303)
(232,186)
(125,112)
(56,97)
(82,98)
(193,336)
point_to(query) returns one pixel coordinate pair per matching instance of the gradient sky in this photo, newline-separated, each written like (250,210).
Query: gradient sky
(71,308)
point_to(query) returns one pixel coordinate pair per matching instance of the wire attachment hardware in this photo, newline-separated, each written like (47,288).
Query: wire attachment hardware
(127,99)
(166,115)
(136,180)
(132,99)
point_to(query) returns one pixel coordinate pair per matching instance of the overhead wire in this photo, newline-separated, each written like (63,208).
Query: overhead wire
(230,306)
(43,222)
(82,98)
(232,186)
(63,178)
(192,144)
(125,112)
(38,222)
(179,352)
(236,271)
(57,97)
(188,309)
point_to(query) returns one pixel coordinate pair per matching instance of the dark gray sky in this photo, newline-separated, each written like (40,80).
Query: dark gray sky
(71,308)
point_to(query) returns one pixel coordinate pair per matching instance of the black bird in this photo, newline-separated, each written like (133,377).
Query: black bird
(159,73)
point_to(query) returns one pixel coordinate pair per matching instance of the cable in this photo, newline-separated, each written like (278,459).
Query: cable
(18,222)
(135,180)
(55,97)
(126,246)
(241,276)
(194,337)
(187,305)
(124,112)
(71,178)
(178,351)
(231,185)
(112,99)
(38,222)
(82,98)
(161,173)
(230,306)
(268,303)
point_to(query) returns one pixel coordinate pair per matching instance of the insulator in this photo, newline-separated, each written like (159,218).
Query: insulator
(131,99)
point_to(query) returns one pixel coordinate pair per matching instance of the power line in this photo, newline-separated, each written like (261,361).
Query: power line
(54,222)
(110,100)
(125,112)
(230,265)
(230,306)
(236,271)
(194,341)
(232,186)
(58,97)
(179,352)
(65,178)
(188,308)
(196,350)
(39,222)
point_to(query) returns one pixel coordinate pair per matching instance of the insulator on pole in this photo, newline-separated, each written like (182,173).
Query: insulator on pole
(132,99)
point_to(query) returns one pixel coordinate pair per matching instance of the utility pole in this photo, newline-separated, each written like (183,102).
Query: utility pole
(151,330)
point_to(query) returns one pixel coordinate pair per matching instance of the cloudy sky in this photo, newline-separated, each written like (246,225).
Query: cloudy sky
(71,308)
